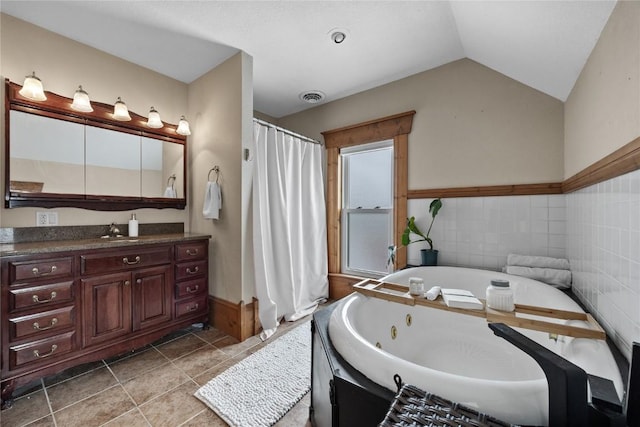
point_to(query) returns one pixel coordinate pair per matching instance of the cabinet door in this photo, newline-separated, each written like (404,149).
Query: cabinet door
(106,307)
(151,296)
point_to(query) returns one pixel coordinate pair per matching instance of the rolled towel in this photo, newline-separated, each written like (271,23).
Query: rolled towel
(538,261)
(212,201)
(433,293)
(560,279)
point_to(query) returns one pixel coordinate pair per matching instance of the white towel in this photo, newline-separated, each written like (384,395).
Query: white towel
(433,293)
(560,279)
(212,201)
(538,261)
(170,192)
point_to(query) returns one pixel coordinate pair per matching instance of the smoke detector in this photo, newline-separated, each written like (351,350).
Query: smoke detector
(312,97)
(338,35)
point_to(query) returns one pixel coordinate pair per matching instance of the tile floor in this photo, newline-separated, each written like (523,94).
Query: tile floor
(152,386)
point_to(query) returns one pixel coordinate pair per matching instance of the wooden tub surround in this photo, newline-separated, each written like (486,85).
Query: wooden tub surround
(67,303)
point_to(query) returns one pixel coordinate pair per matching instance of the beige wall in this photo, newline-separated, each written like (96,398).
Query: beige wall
(602,112)
(473,126)
(63,64)
(215,112)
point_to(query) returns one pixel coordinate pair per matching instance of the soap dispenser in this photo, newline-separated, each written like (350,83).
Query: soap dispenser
(133,226)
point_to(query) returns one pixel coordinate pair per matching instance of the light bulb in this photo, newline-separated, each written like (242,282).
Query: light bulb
(120,111)
(81,101)
(154,119)
(32,88)
(183,127)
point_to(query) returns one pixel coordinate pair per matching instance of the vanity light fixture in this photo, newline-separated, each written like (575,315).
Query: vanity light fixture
(81,101)
(154,119)
(120,111)
(183,127)
(32,88)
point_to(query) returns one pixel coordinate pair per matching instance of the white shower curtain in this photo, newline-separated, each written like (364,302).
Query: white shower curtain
(289,227)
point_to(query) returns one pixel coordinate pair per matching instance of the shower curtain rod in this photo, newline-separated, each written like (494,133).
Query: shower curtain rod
(288,132)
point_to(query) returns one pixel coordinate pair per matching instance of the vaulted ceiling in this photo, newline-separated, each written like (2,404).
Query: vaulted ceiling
(542,43)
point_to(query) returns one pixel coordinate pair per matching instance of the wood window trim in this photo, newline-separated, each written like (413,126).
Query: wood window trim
(396,127)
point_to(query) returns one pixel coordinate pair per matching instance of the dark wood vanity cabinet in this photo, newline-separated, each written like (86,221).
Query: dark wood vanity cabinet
(63,309)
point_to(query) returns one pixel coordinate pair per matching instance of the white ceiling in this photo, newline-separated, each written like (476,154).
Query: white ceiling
(543,43)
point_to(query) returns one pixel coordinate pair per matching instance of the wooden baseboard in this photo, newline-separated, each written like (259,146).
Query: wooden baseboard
(238,320)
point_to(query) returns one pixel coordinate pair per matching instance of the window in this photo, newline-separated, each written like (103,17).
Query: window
(367,207)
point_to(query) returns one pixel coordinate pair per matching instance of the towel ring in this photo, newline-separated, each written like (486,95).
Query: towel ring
(215,169)
(169,180)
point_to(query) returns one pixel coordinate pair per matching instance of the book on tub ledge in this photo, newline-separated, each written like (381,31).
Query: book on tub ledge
(461,298)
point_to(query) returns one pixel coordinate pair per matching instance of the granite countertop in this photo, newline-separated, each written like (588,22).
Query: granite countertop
(31,248)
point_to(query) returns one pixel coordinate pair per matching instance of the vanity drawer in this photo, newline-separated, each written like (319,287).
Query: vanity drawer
(122,260)
(41,351)
(41,323)
(191,287)
(191,251)
(191,269)
(36,269)
(40,296)
(191,307)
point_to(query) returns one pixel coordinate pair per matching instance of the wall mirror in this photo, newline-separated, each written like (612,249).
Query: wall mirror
(59,157)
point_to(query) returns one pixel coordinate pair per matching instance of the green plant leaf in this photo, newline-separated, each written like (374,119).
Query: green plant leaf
(413,227)
(434,207)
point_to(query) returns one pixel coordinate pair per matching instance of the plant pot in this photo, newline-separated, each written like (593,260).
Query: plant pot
(429,256)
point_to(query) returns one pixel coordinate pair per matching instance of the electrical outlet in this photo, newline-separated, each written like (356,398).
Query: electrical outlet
(45,219)
(42,219)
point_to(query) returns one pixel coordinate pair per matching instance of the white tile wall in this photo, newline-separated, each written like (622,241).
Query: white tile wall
(603,245)
(596,228)
(481,231)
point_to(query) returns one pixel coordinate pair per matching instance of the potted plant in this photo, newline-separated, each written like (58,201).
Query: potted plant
(429,256)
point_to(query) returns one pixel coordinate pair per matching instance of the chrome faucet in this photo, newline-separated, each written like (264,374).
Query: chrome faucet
(114,231)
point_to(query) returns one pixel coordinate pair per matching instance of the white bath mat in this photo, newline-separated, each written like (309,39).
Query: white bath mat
(261,388)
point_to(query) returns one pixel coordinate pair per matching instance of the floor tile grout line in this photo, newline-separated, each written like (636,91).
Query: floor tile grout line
(166,392)
(137,407)
(146,371)
(87,397)
(46,395)
(73,377)
(192,418)
(76,377)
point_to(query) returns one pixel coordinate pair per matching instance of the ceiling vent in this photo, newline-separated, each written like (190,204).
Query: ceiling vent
(312,97)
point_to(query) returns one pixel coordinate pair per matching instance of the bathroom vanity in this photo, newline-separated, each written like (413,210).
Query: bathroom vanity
(65,303)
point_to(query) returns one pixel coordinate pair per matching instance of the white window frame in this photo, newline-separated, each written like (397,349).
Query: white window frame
(344,215)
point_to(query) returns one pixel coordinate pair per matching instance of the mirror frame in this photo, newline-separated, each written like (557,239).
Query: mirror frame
(59,107)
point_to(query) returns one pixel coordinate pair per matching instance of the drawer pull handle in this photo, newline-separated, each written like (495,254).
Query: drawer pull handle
(125,260)
(192,291)
(193,308)
(194,271)
(37,326)
(127,283)
(35,298)
(37,272)
(37,354)
(139,281)
(192,252)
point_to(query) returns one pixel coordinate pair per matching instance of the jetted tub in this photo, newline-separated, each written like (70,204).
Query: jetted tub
(457,356)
